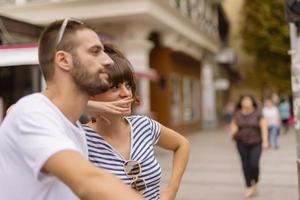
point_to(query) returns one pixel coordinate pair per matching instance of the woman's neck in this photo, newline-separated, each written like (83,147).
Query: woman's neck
(117,134)
(110,127)
(247,110)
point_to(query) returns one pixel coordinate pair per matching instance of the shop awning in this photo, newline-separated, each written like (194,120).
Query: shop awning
(149,74)
(18,54)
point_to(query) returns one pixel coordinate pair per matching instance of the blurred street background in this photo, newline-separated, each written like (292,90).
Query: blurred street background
(196,55)
(192,60)
(214,171)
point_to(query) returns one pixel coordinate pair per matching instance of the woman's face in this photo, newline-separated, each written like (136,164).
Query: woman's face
(268,103)
(247,102)
(117,92)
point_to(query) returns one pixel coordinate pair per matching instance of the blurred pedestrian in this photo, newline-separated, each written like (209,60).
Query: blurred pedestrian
(124,144)
(43,150)
(249,129)
(271,113)
(228,113)
(284,110)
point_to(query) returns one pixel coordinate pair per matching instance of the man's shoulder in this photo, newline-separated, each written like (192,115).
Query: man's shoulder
(32,102)
(35,107)
(35,97)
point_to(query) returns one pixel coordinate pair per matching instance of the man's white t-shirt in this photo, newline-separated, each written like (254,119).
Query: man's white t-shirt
(34,130)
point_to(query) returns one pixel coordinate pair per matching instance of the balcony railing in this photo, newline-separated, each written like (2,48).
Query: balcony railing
(202,13)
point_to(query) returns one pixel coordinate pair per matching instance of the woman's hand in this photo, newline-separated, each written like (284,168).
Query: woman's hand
(264,133)
(118,107)
(265,145)
(232,134)
(233,129)
(167,193)
(98,109)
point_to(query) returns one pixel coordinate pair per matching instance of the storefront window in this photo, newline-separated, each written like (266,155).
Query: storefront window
(185,105)
(176,99)
(196,99)
(16,82)
(187,88)
(191,104)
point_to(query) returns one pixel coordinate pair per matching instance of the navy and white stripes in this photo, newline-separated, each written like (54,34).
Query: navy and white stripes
(145,133)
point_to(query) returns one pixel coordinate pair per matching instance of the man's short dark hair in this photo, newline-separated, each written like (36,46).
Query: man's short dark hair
(48,45)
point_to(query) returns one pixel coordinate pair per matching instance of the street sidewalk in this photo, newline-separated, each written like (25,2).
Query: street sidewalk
(214,170)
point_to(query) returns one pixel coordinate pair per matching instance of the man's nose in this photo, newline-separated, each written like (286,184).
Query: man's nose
(107,61)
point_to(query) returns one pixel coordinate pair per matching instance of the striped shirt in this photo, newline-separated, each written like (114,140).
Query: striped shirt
(145,133)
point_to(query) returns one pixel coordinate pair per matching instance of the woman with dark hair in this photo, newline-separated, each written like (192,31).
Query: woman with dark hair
(249,129)
(124,144)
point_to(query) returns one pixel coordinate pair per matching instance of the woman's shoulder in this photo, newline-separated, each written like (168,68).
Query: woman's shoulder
(141,119)
(237,114)
(257,112)
(137,117)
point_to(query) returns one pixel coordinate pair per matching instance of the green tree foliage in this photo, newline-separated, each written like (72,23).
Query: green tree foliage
(265,36)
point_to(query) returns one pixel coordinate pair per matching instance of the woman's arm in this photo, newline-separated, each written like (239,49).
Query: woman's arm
(93,108)
(233,129)
(175,142)
(264,132)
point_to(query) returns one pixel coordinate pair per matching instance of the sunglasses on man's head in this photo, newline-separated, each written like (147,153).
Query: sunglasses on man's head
(63,27)
(133,169)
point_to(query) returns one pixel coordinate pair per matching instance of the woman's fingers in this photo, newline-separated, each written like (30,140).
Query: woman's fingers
(123,102)
(117,109)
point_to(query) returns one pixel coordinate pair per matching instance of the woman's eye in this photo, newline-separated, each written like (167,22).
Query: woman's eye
(128,86)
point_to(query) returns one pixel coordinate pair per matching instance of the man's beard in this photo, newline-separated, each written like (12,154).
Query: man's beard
(86,81)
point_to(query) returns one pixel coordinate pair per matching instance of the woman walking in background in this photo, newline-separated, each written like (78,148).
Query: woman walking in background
(228,113)
(249,129)
(271,113)
(284,110)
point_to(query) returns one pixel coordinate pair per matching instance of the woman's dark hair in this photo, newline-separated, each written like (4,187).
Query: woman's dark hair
(239,103)
(121,71)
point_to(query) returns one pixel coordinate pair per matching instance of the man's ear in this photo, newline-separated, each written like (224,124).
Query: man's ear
(64,60)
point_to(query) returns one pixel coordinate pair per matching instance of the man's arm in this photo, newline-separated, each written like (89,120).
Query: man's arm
(86,180)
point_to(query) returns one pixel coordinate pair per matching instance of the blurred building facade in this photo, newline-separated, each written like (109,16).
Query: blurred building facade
(234,12)
(19,72)
(175,47)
